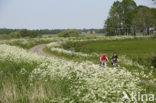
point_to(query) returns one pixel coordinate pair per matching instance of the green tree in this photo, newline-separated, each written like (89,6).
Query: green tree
(113,23)
(143,19)
(69,33)
(153,12)
(120,17)
(127,14)
(24,33)
(29,33)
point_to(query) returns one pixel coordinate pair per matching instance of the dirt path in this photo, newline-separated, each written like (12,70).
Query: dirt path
(39,50)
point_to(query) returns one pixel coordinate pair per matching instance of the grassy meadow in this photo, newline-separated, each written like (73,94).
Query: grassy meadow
(139,50)
(73,73)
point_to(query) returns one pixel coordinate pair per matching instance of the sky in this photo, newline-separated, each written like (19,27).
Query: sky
(56,14)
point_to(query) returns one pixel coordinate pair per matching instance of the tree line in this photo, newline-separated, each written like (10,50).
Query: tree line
(33,33)
(126,18)
(42,31)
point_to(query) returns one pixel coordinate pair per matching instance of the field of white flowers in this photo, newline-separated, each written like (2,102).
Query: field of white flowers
(56,47)
(30,78)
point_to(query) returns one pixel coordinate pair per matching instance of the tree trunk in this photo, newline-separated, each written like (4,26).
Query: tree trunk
(148,33)
(126,32)
(134,32)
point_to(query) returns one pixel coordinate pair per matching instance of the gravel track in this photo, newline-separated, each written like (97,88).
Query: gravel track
(39,50)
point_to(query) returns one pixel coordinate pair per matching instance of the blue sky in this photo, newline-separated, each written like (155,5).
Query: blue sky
(56,14)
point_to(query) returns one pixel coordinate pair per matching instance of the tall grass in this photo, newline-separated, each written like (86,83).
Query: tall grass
(140,67)
(28,43)
(16,87)
(27,77)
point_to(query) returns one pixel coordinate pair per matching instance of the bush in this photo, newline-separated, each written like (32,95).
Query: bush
(154,61)
(5,36)
(69,33)
(21,33)
(28,33)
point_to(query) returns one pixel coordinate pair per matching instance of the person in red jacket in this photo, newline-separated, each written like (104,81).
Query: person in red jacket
(103,60)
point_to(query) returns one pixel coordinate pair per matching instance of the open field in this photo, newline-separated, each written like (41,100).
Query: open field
(140,50)
(136,48)
(54,51)
(63,75)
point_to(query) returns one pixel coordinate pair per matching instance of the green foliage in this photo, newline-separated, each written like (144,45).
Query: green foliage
(17,82)
(120,17)
(153,12)
(125,18)
(143,19)
(15,76)
(154,61)
(69,33)
(28,33)
(5,36)
(138,50)
(6,31)
(18,34)
(47,31)
(72,57)
(29,43)
(10,36)
(42,31)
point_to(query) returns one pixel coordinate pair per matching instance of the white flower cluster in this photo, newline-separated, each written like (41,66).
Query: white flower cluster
(94,83)
(129,62)
(57,46)
(12,53)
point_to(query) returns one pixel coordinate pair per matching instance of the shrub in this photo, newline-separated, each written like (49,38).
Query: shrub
(69,33)
(28,33)
(154,61)
(5,36)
